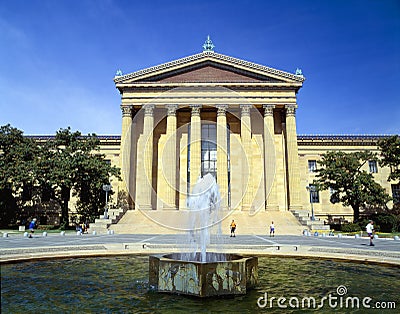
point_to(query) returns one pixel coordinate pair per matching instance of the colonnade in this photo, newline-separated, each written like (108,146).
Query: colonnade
(141,184)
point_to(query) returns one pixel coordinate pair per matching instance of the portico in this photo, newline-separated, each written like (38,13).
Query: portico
(210,113)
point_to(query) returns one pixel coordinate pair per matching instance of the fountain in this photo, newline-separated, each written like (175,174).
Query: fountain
(197,271)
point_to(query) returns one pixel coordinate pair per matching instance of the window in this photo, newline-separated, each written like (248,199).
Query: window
(396,193)
(314,194)
(373,167)
(209,154)
(209,149)
(312,166)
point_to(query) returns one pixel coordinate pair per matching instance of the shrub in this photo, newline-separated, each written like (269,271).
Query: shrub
(351,227)
(383,222)
(46,227)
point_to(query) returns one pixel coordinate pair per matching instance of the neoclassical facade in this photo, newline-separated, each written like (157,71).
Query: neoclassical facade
(212,113)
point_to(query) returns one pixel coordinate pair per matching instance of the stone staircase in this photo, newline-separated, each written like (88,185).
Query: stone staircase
(304,217)
(102,224)
(159,222)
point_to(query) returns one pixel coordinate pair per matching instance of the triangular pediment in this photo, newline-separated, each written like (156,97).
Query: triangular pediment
(208,67)
(209,72)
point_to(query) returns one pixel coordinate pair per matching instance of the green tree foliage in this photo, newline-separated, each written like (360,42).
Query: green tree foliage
(352,185)
(18,156)
(52,169)
(76,167)
(390,156)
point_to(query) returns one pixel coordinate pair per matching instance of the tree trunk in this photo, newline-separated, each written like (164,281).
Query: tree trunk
(356,214)
(65,193)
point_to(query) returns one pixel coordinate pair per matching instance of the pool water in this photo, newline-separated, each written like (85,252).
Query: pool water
(120,285)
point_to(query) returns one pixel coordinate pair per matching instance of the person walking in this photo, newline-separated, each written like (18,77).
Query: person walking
(233,228)
(32,227)
(272,229)
(370,231)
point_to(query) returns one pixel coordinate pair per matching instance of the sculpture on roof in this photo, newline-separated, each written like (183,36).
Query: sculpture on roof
(118,73)
(208,45)
(299,72)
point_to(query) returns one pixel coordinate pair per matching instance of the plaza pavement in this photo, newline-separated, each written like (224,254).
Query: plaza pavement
(16,247)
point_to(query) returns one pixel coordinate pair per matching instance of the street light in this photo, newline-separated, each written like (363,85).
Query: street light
(311,188)
(106,188)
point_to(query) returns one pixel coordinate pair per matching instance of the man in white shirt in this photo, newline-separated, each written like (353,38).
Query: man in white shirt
(370,231)
(272,229)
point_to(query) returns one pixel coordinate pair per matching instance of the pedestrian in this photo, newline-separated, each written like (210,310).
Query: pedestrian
(32,227)
(233,228)
(272,229)
(370,231)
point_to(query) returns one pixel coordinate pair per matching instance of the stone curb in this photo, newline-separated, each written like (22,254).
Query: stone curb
(140,248)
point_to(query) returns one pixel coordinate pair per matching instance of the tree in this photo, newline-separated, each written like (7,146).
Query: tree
(352,186)
(390,156)
(51,170)
(93,173)
(76,167)
(17,173)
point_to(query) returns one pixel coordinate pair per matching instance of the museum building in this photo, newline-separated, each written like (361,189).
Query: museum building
(212,113)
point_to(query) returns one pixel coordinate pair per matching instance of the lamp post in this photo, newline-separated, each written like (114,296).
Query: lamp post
(311,189)
(106,188)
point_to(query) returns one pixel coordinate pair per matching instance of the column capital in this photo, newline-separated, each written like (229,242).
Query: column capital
(268,110)
(148,109)
(195,110)
(245,110)
(126,110)
(290,110)
(221,110)
(171,109)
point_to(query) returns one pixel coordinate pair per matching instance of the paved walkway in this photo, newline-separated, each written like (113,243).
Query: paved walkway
(19,248)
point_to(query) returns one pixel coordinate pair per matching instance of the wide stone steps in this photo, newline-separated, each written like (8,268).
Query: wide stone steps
(304,217)
(102,224)
(174,221)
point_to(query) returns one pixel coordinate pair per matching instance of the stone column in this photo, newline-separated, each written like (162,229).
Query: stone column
(145,174)
(245,133)
(269,158)
(169,158)
(222,155)
(195,145)
(125,148)
(292,158)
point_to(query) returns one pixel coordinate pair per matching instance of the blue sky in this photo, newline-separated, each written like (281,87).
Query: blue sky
(58,58)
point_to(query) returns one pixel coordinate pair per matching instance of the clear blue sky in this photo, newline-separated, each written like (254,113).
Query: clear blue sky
(58,58)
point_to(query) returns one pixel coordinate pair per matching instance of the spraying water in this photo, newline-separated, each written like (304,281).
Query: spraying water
(204,218)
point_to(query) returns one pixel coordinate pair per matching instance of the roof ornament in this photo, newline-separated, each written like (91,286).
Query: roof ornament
(299,72)
(118,73)
(208,45)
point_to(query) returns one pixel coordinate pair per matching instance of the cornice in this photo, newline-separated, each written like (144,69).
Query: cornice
(302,140)
(254,85)
(212,56)
(104,139)
(339,140)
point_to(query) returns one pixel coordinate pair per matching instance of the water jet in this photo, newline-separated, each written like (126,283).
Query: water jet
(196,271)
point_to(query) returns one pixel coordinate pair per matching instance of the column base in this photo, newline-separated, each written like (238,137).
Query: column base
(246,207)
(295,207)
(169,208)
(272,208)
(144,207)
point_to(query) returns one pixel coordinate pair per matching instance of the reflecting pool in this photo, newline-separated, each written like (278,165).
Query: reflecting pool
(120,285)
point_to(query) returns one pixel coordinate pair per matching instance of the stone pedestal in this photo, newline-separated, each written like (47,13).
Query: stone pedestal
(231,277)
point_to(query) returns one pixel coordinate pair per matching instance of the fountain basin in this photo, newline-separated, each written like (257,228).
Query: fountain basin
(230,275)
